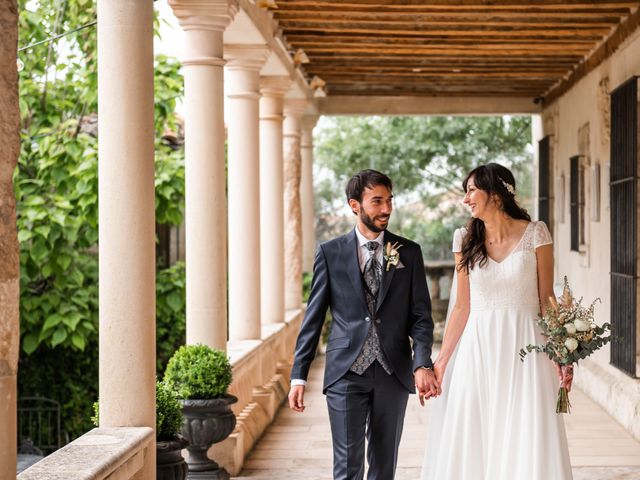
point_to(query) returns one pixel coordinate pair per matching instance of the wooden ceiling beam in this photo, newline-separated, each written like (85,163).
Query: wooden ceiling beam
(362,21)
(341,61)
(411,11)
(461,5)
(320,57)
(442,83)
(442,71)
(479,45)
(493,50)
(403,76)
(532,94)
(426,31)
(386,39)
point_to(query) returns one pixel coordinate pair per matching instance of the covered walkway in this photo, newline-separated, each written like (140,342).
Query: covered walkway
(299,446)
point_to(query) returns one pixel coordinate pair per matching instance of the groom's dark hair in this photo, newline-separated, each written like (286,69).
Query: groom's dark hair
(366,179)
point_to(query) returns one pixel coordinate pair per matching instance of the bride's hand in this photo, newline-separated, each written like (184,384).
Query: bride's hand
(567,376)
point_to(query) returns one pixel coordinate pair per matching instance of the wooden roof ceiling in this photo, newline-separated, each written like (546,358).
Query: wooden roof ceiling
(458,48)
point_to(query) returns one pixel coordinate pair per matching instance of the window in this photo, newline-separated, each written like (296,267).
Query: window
(544,187)
(576,200)
(624,229)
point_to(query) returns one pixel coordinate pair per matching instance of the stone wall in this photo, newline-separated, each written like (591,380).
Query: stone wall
(9,257)
(579,123)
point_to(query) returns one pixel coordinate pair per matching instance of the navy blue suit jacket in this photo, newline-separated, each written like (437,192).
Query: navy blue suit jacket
(403,311)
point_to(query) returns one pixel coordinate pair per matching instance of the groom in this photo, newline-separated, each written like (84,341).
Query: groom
(374,283)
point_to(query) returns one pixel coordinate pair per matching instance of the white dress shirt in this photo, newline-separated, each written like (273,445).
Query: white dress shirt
(363,256)
(363,251)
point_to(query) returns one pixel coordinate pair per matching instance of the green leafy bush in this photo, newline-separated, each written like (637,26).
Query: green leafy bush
(168,412)
(56,188)
(170,313)
(198,372)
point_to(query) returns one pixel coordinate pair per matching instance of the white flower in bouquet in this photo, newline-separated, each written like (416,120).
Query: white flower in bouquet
(581,325)
(570,328)
(571,344)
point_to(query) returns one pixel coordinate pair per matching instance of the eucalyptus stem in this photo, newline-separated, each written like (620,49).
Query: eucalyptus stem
(563,405)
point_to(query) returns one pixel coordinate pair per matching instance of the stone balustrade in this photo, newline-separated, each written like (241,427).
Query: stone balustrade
(116,453)
(261,371)
(260,381)
(439,278)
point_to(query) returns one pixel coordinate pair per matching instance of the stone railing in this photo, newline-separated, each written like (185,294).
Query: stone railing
(115,453)
(439,277)
(261,371)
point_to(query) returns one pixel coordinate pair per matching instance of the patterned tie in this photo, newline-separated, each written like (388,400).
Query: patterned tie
(371,350)
(372,275)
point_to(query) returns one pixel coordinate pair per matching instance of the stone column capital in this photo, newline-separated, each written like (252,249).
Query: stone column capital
(295,107)
(309,122)
(246,57)
(214,15)
(274,86)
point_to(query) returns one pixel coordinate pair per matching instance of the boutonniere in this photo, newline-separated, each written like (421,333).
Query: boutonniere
(392,256)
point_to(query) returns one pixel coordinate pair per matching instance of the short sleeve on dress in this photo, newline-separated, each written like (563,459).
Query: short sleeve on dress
(458,236)
(541,235)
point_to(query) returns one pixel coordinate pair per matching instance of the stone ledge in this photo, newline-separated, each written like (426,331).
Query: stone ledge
(261,372)
(115,453)
(614,391)
(252,421)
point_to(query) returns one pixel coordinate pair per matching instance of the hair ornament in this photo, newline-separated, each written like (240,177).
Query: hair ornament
(510,188)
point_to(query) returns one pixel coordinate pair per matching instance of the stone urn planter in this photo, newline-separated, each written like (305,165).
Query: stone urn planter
(201,375)
(170,464)
(207,422)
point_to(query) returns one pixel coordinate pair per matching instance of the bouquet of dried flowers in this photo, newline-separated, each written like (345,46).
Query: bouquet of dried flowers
(571,335)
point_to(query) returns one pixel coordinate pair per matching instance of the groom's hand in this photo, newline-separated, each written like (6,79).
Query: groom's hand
(427,385)
(296,398)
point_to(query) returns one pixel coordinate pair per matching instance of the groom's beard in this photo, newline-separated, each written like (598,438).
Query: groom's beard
(369,222)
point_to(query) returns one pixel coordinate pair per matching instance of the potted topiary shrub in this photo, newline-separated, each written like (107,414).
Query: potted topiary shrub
(201,376)
(170,464)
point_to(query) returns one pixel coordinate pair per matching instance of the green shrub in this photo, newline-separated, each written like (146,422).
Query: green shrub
(170,313)
(198,372)
(168,412)
(306,286)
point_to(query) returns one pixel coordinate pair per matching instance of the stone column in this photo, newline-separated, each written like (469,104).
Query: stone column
(9,260)
(271,199)
(205,200)
(127,218)
(293,111)
(306,193)
(243,165)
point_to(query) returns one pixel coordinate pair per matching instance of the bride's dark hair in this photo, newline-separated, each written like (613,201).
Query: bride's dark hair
(493,178)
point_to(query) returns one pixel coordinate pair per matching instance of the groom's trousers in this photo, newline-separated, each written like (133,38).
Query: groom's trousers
(373,405)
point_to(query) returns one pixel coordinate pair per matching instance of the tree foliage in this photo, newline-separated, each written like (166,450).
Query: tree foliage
(427,158)
(56,186)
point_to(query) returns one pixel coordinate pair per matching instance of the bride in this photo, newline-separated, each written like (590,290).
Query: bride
(496,417)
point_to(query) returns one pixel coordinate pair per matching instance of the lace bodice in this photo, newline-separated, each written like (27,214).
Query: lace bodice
(513,281)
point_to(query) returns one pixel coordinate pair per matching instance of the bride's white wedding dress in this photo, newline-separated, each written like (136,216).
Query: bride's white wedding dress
(496,419)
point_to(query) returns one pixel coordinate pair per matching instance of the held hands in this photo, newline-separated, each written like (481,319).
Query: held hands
(296,398)
(427,385)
